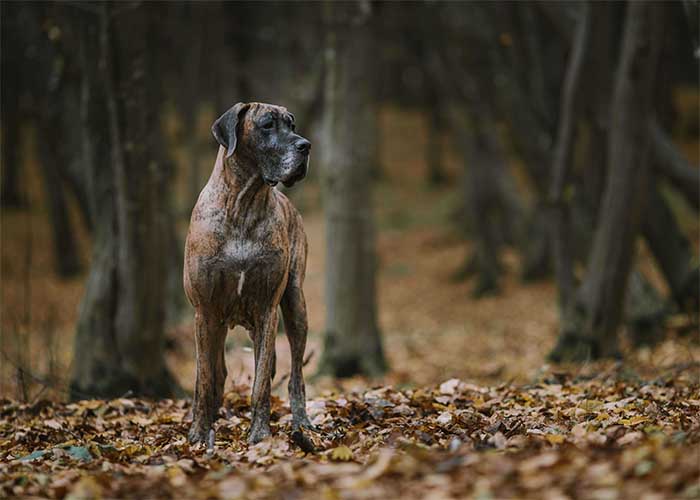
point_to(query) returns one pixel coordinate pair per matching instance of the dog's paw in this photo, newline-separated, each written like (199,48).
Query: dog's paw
(258,433)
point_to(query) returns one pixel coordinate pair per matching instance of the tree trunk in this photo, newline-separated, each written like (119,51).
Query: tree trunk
(672,252)
(645,311)
(590,327)
(54,97)
(65,245)
(486,207)
(523,99)
(493,206)
(119,344)
(433,154)
(57,127)
(598,80)
(692,15)
(10,195)
(188,95)
(561,166)
(537,253)
(435,129)
(352,340)
(671,163)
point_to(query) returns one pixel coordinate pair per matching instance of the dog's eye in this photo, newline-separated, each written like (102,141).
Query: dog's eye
(267,125)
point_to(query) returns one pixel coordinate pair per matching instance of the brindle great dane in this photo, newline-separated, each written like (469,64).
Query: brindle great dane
(245,256)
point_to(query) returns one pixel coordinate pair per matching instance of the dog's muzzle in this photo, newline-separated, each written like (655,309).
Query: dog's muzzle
(298,173)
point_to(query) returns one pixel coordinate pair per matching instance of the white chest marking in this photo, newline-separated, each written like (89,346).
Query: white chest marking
(241,280)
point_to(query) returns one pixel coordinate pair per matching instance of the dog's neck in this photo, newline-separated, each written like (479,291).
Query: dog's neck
(245,187)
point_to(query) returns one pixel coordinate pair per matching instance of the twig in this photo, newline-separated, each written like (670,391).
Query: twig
(56,384)
(23,337)
(287,375)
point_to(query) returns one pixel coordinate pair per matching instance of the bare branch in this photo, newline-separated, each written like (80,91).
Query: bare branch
(561,164)
(672,165)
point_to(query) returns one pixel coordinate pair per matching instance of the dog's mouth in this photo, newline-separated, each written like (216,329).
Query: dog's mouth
(299,173)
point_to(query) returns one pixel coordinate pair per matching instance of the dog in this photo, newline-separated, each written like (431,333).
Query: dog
(245,259)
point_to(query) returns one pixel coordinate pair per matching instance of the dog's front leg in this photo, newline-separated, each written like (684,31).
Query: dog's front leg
(295,323)
(264,340)
(210,336)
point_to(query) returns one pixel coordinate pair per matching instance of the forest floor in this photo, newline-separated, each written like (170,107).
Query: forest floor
(563,437)
(468,408)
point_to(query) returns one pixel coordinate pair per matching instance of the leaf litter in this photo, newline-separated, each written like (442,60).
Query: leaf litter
(563,437)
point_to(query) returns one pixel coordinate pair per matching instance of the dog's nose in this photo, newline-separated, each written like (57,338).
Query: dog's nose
(303,145)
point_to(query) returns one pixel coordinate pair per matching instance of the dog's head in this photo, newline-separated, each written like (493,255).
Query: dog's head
(264,135)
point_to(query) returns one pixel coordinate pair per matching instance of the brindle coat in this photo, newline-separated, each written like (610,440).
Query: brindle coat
(245,256)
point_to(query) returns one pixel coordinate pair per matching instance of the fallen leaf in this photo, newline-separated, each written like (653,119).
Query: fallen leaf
(444,418)
(341,453)
(555,438)
(633,421)
(449,386)
(53,424)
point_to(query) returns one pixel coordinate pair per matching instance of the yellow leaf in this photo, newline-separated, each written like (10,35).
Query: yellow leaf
(591,404)
(555,438)
(341,453)
(634,420)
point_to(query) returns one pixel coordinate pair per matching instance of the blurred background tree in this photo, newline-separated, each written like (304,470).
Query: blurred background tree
(517,162)
(352,342)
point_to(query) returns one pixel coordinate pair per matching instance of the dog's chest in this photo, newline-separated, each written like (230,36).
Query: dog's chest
(254,268)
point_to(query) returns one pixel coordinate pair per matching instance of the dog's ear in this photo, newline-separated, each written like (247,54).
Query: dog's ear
(224,128)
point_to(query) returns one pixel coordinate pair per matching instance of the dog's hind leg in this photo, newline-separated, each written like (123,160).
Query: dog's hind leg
(211,375)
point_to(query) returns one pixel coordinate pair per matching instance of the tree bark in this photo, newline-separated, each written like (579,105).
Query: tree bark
(54,95)
(523,100)
(352,340)
(590,327)
(57,129)
(65,246)
(493,206)
(537,251)
(598,80)
(672,251)
(671,163)
(561,166)
(433,154)
(692,15)
(645,311)
(488,197)
(435,129)
(120,340)
(11,195)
